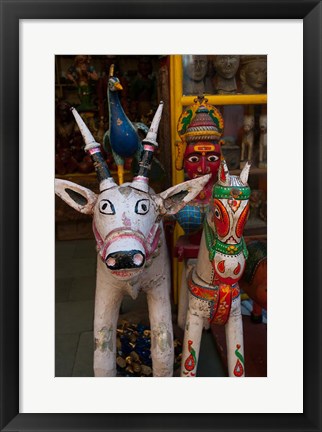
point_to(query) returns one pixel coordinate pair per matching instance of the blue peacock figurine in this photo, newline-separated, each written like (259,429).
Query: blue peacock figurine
(122,137)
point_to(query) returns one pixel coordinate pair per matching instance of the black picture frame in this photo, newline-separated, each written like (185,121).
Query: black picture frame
(11,12)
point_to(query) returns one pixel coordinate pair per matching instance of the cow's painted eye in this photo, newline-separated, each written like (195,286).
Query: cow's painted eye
(106,207)
(142,206)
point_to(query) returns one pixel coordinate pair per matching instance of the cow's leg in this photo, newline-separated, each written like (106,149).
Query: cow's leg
(191,343)
(162,351)
(234,340)
(107,305)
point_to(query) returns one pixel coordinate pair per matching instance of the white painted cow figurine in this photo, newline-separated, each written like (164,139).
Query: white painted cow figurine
(132,254)
(214,296)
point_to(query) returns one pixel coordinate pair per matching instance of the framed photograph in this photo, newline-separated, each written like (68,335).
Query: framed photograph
(39,40)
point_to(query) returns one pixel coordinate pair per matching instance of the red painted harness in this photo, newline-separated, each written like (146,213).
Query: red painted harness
(219,297)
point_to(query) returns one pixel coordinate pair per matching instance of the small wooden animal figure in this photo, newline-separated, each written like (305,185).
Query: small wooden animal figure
(214,295)
(226,67)
(132,253)
(263,141)
(248,139)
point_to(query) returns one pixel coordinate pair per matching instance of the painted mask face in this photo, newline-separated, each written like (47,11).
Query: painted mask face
(202,158)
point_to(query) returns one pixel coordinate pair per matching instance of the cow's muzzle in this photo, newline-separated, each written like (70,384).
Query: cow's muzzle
(123,260)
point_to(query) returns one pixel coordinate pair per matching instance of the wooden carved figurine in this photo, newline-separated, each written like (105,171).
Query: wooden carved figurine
(200,128)
(263,141)
(214,295)
(226,67)
(247,139)
(132,254)
(253,74)
(194,74)
(122,138)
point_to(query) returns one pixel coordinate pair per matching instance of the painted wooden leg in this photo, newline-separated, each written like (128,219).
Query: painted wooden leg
(162,351)
(183,298)
(235,341)
(191,345)
(106,315)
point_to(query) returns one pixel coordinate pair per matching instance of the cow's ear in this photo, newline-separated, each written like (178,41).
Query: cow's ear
(78,197)
(175,198)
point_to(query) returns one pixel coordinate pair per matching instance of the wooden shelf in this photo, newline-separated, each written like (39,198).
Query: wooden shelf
(253,171)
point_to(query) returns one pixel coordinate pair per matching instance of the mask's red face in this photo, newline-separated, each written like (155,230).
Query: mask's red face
(202,158)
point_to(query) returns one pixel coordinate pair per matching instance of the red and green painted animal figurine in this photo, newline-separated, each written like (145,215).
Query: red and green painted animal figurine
(214,295)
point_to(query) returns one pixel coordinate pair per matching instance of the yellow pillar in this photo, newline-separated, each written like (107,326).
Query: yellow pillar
(177,176)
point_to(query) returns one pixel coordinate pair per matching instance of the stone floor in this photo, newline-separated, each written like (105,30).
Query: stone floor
(75,288)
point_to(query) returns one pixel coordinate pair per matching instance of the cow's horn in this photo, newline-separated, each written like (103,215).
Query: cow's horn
(93,148)
(141,180)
